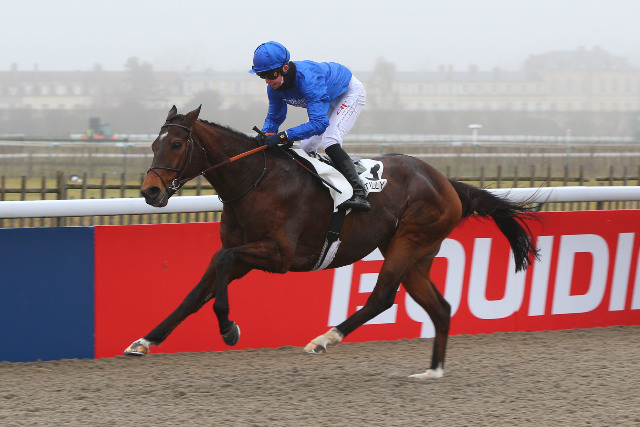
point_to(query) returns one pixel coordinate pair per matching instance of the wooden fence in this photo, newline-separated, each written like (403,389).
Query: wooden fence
(75,187)
(65,187)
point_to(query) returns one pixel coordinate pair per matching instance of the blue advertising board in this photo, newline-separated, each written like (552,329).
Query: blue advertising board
(46,293)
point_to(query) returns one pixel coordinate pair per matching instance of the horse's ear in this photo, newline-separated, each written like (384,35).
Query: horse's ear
(193,115)
(172,112)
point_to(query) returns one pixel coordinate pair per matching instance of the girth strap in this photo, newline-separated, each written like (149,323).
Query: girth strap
(332,241)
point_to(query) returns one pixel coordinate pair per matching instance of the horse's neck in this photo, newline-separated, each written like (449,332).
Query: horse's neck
(220,145)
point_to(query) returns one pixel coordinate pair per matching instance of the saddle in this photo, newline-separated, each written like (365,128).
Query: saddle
(370,172)
(326,159)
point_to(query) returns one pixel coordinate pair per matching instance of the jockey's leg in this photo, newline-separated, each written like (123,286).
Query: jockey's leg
(344,165)
(343,114)
(311,145)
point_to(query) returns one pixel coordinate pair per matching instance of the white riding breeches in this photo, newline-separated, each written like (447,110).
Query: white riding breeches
(343,113)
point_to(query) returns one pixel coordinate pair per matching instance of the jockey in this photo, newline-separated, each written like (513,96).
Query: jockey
(333,99)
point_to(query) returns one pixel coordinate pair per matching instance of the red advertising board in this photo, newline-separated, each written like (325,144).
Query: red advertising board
(587,276)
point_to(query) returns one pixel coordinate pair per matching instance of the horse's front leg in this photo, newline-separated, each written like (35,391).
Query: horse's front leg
(234,263)
(198,296)
(226,266)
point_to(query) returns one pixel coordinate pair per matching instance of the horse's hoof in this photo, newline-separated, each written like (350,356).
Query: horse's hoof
(231,338)
(429,373)
(313,348)
(137,349)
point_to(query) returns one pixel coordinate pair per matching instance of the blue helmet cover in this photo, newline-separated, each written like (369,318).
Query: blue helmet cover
(268,56)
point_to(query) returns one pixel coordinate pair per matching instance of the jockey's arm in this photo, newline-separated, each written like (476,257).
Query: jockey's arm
(275,116)
(317,124)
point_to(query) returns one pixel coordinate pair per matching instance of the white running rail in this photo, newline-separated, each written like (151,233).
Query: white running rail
(134,206)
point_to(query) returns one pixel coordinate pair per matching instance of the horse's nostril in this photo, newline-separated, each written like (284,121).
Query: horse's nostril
(150,193)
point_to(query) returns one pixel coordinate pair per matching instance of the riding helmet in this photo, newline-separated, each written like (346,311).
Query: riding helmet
(269,56)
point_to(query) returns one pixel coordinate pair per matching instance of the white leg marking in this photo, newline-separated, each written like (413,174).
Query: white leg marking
(331,337)
(144,342)
(429,373)
(138,348)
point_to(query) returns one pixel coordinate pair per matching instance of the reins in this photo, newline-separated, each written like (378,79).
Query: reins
(232,159)
(178,182)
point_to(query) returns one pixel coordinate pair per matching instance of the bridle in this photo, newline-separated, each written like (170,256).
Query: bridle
(178,181)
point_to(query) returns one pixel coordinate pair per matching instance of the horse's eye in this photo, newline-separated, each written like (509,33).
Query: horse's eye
(176,145)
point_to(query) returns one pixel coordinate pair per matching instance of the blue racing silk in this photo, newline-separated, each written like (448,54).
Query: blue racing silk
(316,86)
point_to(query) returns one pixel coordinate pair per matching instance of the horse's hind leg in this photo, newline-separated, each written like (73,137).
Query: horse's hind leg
(398,261)
(418,284)
(381,299)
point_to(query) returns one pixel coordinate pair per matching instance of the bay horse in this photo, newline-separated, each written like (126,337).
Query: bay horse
(275,217)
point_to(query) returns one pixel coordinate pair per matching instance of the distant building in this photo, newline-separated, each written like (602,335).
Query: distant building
(580,80)
(80,90)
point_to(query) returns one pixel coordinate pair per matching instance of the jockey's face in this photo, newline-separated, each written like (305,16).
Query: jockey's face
(276,82)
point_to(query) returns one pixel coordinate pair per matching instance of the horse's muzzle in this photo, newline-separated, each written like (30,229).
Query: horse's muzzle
(154,196)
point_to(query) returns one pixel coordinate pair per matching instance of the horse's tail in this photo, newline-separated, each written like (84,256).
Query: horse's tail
(508,216)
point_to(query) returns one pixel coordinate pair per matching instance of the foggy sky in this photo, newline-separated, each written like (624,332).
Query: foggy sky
(416,35)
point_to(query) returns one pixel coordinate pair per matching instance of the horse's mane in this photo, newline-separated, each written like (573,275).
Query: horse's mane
(225,128)
(213,125)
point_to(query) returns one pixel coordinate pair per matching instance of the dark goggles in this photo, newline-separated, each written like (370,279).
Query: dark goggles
(270,75)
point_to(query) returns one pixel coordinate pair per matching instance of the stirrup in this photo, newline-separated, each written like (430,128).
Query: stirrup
(357,203)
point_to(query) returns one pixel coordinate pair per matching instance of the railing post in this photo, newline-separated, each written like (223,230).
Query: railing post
(611,176)
(638,183)
(198,192)
(581,182)
(62,195)
(83,195)
(123,189)
(43,196)
(565,182)
(532,180)
(548,175)
(23,195)
(2,192)
(103,194)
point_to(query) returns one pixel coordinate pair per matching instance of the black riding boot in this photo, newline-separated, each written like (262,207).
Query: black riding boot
(344,165)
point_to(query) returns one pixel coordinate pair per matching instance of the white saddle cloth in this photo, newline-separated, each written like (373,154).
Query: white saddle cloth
(371,178)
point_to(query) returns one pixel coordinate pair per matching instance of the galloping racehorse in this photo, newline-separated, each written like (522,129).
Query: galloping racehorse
(273,211)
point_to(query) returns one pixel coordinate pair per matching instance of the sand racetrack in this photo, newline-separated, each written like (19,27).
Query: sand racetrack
(567,378)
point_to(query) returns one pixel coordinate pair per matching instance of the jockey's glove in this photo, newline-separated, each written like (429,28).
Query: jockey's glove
(278,138)
(260,139)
